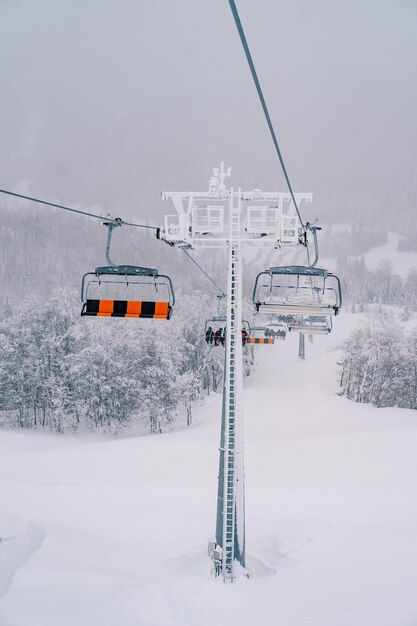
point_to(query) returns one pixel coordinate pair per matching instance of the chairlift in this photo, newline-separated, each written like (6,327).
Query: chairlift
(279,330)
(311,325)
(297,290)
(126,290)
(262,335)
(281,320)
(222,319)
(216,321)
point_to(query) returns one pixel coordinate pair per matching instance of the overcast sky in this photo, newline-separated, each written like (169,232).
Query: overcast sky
(107,103)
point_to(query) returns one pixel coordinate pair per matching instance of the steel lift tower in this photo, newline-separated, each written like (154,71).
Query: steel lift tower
(223,218)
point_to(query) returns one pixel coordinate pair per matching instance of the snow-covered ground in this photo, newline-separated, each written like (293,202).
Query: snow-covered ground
(331,512)
(401,261)
(19,539)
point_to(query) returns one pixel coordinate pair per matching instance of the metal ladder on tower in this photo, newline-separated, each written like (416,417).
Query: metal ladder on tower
(230,424)
(233,545)
(235,216)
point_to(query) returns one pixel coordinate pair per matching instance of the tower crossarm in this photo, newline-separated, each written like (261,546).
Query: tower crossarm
(211,218)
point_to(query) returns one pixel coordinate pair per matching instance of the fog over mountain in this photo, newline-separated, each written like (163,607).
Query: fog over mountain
(107,103)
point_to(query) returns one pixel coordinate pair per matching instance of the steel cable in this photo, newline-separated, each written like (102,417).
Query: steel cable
(66,208)
(263,103)
(204,272)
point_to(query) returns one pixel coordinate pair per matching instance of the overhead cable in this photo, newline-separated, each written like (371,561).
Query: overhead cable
(66,208)
(204,272)
(263,103)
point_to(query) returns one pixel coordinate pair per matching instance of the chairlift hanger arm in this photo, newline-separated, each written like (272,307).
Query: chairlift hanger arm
(110,227)
(313,229)
(114,268)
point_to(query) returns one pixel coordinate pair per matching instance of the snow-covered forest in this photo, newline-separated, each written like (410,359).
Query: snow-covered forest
(380,363)
(381,285)
(60,372)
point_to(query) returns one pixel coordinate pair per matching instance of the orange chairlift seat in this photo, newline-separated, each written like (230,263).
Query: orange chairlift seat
(260,334)
(268,340)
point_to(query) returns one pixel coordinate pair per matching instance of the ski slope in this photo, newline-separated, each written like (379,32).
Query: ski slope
(331,512)
(402,261)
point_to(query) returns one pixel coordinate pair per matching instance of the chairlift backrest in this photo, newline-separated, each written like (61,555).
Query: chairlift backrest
(222,319)
(293,290)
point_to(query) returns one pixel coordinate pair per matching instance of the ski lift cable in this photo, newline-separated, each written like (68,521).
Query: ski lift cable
(72,210)
(204,272)
(263,104)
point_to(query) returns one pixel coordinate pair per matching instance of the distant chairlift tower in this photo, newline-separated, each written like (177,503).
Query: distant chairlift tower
(220,218)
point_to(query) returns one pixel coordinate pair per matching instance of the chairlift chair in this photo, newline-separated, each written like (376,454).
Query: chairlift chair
(297,290)
(282,319)
(311,325)
(279,329)
(126,290)
(259,334)
(222,319)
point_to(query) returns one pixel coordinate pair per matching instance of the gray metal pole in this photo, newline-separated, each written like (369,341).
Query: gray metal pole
(230,521)
(301,347)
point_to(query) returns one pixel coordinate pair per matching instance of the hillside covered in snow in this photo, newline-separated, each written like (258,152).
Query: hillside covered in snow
(330,500)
